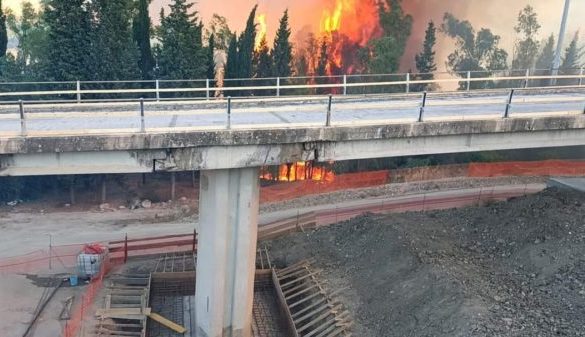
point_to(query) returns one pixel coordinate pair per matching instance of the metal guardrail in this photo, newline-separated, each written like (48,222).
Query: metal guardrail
(267,87)
(419,101)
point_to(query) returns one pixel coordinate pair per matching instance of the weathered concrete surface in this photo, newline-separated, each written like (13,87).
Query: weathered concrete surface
(206,150)
(139,141)
(226,257)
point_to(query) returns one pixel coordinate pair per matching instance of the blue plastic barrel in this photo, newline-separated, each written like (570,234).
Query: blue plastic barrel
(73,280)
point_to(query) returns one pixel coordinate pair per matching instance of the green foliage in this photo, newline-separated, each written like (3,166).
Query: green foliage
(425,60)
(181,54)
(210,51)
(527,47)
(3,32)
(68,54)
(547,54)
(282,51)
(475,51)
(383,54)
(572,57)
(246,47)
(115,55)
(141,26)
(263,61)
(231,66)
(386,55)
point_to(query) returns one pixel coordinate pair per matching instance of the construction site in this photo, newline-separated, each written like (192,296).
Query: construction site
(479,249)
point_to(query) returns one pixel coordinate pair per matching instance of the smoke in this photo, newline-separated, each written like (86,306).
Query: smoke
(498,15)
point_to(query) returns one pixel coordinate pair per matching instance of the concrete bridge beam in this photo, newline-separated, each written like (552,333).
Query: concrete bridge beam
(226,258)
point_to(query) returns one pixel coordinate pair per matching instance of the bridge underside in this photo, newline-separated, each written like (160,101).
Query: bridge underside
(241,156)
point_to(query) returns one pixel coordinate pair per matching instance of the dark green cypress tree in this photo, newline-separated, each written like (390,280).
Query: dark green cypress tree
(231,65)
(282,51)
(572,56)
(547,55)
(3,32)
(263,61)
(246,47)
(114,52)
(68,56)
(425,60)
(141,26)
(181,55)
(211,57)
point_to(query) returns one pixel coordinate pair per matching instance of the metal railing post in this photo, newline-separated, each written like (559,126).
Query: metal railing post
(407,83)
(468,80)
(581,78)
(78,83)
(22,120)
(526,78)
(344,85)
(422,107)
(328,120)
(142,125)
(207,94)
(509,104)
(278,87)
(157,85)
(229,112)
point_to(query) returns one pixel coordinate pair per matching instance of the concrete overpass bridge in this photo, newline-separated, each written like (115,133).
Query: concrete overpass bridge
(229,139)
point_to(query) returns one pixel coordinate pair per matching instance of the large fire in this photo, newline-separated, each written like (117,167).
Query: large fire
(262,29)
(346,26)
(299,171)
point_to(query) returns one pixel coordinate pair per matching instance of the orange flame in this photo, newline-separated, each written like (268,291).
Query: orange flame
(300,171)
(262,29)
(346,25)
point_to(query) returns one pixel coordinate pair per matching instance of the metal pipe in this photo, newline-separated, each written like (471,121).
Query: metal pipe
(207,93)
(157,85)
(22,119)
(142,125)
(422,107)
(557,59)
(509,104)
(278,87)
(344,85)
(229,112)
(407,83)
(78,91)
(328,120)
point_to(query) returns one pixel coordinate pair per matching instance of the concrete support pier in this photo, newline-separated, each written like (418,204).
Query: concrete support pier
(226,257)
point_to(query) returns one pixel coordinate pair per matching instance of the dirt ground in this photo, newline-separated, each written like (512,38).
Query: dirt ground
(514,268)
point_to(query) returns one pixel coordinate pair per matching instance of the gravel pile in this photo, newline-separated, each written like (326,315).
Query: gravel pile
(514,268)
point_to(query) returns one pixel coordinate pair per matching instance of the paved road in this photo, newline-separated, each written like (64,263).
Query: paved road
(286,112)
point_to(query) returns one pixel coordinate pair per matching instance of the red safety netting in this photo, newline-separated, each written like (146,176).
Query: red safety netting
(527,168)
(84,307)
(290,190)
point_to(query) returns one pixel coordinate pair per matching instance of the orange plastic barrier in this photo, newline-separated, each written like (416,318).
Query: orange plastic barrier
(528,168)
(289,190)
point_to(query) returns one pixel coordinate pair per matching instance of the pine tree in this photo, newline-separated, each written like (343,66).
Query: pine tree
(141,26)
(181,55)
(573,54)
(425,61)
(3,32)
(114,51)
(282,51)
(211,57)
(246,47)
(68,56)
(547,55)
(527,47)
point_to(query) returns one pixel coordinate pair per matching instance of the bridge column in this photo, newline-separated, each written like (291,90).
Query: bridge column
(226,257)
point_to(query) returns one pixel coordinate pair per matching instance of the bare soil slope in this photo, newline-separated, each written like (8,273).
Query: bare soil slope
(515,268)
